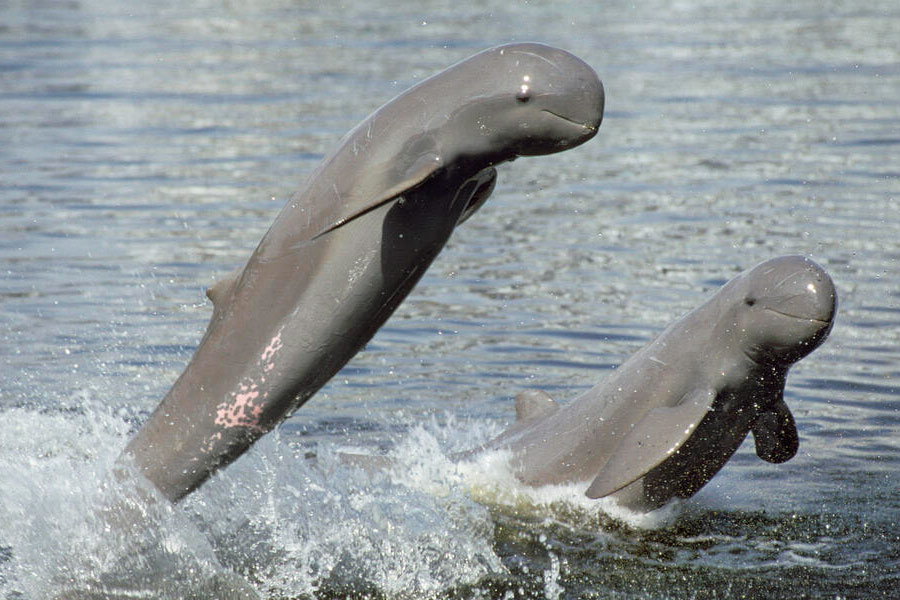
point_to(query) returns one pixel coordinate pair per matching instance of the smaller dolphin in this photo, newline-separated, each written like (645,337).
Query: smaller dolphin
(673,414)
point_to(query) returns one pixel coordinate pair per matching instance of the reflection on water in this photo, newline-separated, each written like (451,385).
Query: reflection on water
(147,147)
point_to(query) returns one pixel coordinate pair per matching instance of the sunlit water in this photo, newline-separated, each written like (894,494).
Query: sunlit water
(146,147)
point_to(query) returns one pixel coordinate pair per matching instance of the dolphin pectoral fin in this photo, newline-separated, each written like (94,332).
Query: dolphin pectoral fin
(421,169)
(656,437)
(531,404)
(485,180)
(775,434)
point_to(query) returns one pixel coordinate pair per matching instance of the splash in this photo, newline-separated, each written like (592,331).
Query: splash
(423,461)
(274,524)
(299,527)
(71,529)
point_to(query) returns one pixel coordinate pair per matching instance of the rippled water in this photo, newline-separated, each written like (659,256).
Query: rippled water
(148,146)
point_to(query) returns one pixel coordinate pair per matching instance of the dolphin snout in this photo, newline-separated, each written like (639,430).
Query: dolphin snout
(806,291)
(814,305)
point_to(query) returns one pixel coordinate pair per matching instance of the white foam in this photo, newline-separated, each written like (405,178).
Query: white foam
(272,521)
(341,525)
(68,526)
(492,481)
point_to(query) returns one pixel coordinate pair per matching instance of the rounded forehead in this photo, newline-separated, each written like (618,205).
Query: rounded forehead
(536,63)
(785,269)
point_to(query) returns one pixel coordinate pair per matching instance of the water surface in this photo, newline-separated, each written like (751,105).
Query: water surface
(147,147)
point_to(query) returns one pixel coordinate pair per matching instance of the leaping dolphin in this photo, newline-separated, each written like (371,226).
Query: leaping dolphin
(351,244)
(673,414)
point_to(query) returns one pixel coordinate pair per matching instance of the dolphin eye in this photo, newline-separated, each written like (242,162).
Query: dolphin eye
(750,301)
(524,93)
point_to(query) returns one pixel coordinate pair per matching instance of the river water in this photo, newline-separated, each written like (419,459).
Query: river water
(146,147)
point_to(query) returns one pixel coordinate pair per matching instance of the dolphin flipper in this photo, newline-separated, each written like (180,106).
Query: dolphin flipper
(775,434)
(653,439)
(485,179)
(353,207)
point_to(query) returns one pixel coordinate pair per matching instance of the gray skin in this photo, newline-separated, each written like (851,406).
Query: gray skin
(672,415)
(352,243)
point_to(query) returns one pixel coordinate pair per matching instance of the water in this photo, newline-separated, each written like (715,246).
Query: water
(147,147)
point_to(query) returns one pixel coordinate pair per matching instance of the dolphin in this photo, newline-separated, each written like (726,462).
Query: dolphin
(672,415)
(352,243)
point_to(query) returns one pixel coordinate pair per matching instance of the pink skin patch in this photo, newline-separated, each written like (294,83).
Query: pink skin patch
(271,350)
(242,411)
(247,404)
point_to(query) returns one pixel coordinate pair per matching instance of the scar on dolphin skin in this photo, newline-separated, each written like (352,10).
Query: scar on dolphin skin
(246,405)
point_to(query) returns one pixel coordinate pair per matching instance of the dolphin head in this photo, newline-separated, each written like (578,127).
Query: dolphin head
(527,100)
(784,309)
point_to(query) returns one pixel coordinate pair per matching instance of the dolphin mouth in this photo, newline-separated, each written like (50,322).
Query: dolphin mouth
(590,128)
(798,317)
